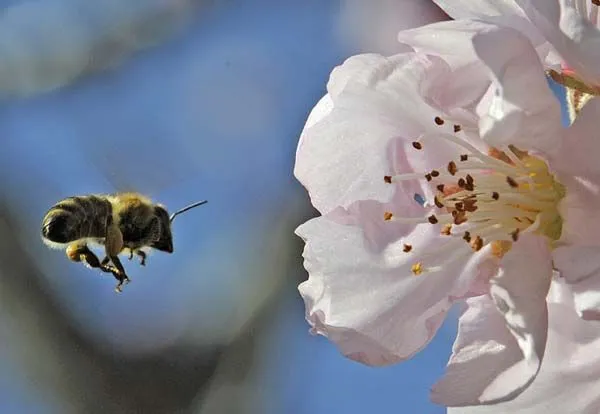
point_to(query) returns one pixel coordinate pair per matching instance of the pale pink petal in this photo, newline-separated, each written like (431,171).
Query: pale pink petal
(467,9)
(568,379)
(580,211)
(580,268)
(343,156)
(523,110)
(501,12)
(369,302)
(574,37)
(580,146)
(502,337)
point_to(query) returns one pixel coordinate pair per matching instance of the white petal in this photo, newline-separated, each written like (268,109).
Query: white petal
(568,379)
(574,37)
(523,111)
(502,337)
(505,13)
(343,157)
(580,147)
(369,302)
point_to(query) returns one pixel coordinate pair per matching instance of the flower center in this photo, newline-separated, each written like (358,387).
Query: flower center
(490,197)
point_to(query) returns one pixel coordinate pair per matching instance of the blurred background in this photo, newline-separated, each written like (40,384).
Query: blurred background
(181,100)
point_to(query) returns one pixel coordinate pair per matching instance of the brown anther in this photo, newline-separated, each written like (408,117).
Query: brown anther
(515,235)
(467,237)
(387,216)
(596,2)
(452,168)
(446,230)
(511,181)
(437,202)
(407,248)
(417,269)
(464,157)
(469,187)
(440,188)
(435,173)
(469,179)
(470,205)
(459,206)
(518,219)
(457,128)
(477,244)
(428,177)
(387,179)
(438,120)
(417,145)
(460,217)
(495,195)
(461,182)
(432,219)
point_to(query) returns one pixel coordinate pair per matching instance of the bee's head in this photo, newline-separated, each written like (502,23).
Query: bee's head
(165,239)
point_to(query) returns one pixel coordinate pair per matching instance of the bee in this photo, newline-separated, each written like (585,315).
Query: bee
(122,222)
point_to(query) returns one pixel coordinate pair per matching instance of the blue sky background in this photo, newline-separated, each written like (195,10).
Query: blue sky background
(214,112)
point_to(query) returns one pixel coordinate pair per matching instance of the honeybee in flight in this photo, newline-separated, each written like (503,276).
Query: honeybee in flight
(120,222)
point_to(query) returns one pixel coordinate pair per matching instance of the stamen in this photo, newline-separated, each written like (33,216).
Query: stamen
(387,179)
(457,128)
(438,120)
(495,195)
(467,237)
(477,244)
(511,181)
(452,168)
(432,219)
(407,248)
(464,157)
(417,268)
(417,145)
(515,235)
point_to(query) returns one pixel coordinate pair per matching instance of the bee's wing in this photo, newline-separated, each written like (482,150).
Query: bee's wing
(147,165)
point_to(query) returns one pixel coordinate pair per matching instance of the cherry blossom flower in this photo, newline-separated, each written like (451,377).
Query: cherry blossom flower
(566,33)
(568,378)
(442,175)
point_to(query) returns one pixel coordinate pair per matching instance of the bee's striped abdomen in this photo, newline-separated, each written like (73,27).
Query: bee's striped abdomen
(76,218)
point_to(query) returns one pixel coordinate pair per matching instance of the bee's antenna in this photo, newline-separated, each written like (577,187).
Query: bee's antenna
(183,210)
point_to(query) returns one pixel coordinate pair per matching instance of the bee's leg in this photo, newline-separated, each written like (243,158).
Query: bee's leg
(81,253)
(142,256)
(130,254)
(122,276)
(114,245)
